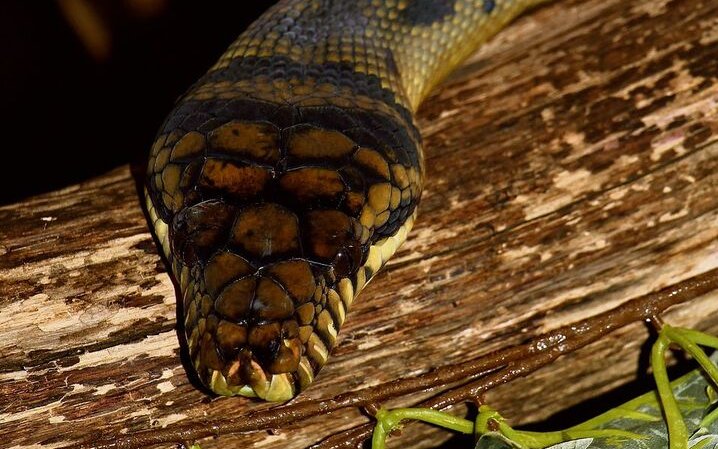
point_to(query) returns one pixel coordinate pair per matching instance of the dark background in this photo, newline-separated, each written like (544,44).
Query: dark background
(68,115)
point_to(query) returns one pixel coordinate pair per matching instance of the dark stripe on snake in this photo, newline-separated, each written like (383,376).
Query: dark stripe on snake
(426,12)
(281,68)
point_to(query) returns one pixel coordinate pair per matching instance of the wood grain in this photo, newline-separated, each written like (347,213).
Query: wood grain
(572,165)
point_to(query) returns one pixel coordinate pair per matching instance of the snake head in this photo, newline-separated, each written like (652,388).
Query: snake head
(273,222)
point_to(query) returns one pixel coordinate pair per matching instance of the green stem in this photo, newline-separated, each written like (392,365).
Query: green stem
(698,337)
(687,341)
(709,418)
(489,419)
(389,420)
(538,440)
(677,432)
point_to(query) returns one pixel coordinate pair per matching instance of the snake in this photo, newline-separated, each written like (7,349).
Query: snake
(288,175)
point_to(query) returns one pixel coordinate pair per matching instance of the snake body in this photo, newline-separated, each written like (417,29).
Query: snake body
(289,174)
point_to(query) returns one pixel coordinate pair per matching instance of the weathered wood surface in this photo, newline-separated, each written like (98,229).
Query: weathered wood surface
(572,165)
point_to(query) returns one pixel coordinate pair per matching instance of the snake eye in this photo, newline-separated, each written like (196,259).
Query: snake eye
(347,260)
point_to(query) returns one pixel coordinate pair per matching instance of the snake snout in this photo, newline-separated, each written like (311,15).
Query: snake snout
(256,328)
(263,306)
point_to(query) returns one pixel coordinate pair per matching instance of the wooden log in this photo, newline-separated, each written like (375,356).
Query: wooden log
(572,165)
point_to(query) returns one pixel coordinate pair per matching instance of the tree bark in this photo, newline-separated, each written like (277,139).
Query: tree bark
(572,164)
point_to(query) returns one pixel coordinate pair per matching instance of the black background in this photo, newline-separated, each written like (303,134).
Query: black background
(67,117)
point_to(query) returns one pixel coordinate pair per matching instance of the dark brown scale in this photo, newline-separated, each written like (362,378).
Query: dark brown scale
(313,185)
(328,231)
(309,142)
(266,230)
(208,353)
(353,202)
(264,339)
(255,141)
(211,323)
(261,336)
(235,301)
(199,229)
(290,329)
(373,162)
(222,268)
(271,301)
(236,180)
(355,179)
(231,338)
(286,359)
(297,278)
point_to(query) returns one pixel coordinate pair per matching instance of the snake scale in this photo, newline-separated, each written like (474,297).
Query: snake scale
(289,174)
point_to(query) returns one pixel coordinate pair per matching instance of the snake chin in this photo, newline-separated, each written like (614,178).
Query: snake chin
(267,331)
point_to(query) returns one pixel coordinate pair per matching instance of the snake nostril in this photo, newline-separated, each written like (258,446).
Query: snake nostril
(264,340)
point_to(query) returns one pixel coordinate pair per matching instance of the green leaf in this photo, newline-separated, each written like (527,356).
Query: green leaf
(583,443)
(704,442)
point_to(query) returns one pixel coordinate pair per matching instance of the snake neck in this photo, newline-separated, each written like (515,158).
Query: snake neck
(408,45)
